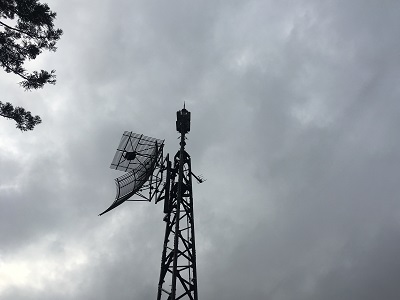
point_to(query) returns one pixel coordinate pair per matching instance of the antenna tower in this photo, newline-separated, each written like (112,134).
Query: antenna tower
(151,175)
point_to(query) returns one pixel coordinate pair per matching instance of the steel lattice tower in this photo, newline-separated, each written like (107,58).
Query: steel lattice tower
(149,175)
(178,276)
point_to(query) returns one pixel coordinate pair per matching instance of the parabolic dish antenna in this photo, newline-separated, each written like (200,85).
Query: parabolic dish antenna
(137,155)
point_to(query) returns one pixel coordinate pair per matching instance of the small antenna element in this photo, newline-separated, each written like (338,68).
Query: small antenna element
(200,178)
(183,121)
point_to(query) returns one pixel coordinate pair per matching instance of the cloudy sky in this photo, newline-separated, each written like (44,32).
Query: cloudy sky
(295,118)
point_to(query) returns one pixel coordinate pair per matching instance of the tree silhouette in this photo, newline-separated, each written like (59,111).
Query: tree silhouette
(26,29)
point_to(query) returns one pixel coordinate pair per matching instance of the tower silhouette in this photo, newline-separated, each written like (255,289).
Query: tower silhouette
(149,176)
(178,275)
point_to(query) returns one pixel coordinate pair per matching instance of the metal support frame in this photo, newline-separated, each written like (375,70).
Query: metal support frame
(178,275)
(142,158)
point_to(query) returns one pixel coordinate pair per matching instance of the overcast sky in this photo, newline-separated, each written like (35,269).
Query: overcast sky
(295,125)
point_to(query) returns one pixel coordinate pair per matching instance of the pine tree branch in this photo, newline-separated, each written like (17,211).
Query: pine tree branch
(24,120)
(24,40)
(19,30)
(13,70)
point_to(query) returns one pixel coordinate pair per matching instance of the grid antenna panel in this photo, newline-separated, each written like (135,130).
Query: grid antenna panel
(137,155)
(134,150)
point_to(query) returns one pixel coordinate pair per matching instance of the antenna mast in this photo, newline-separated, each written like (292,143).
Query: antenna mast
(178,275)
(141,157)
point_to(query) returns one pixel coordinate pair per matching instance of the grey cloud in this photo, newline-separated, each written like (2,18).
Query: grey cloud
(294,124)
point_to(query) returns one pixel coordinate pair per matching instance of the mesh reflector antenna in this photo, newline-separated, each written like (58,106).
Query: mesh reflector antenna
(139,156)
